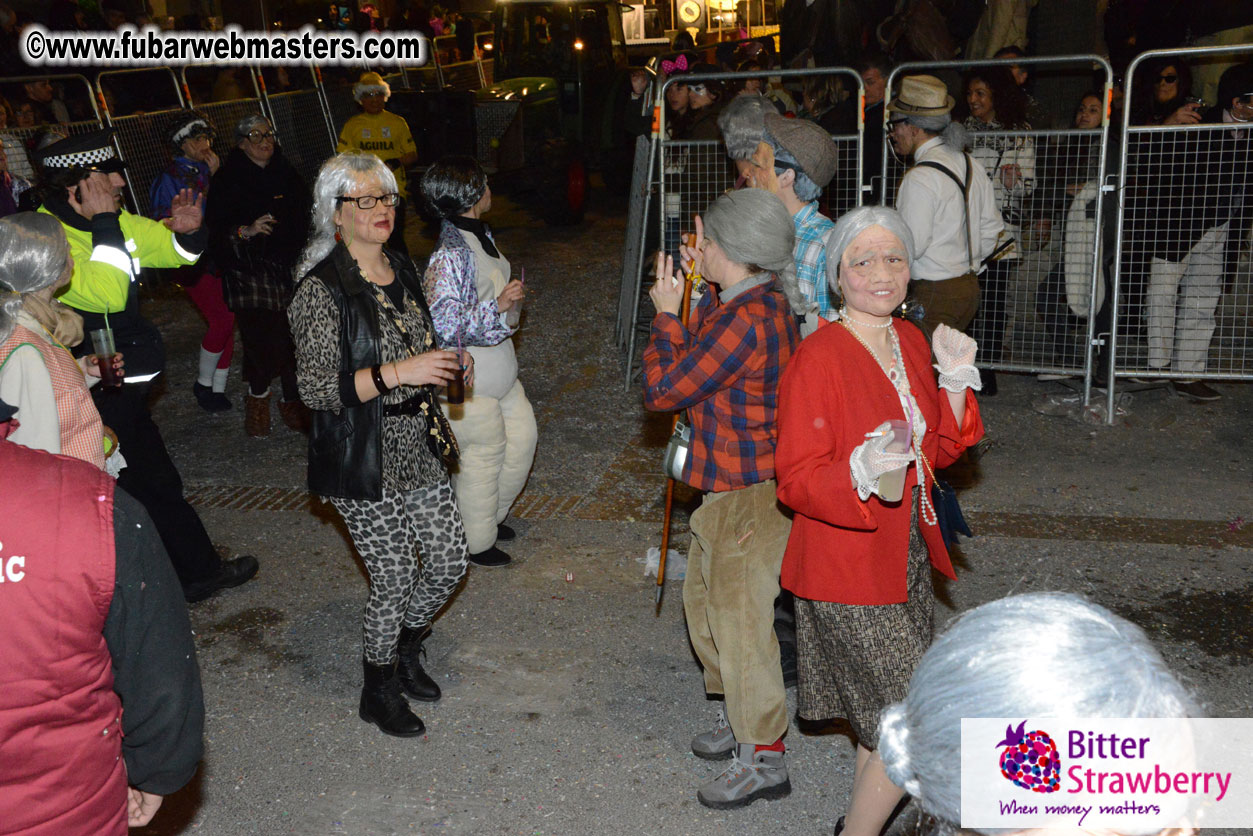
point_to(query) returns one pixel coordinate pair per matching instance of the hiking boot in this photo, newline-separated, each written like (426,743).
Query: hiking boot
(751,775)
(715,745)
(1194,390)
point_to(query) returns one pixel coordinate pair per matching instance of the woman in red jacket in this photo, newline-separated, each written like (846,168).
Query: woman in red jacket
(857,557)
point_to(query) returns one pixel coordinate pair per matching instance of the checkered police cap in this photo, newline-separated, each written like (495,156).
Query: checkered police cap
(91,150)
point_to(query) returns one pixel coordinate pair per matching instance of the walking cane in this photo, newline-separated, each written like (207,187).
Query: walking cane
(674,420)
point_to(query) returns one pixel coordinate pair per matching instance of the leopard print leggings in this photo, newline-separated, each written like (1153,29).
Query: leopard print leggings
(389,535)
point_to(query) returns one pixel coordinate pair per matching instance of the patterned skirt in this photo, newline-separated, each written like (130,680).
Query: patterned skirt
(855,659)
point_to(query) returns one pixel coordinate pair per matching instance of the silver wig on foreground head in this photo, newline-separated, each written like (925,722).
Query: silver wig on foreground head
(854,223)
(339,175)
(1041,655)
(35,255)
(753,227)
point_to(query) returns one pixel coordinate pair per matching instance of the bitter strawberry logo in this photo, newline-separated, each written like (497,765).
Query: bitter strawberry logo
(1030,759)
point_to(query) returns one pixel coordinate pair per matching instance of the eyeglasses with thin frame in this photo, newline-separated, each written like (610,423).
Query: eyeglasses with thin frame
(368,201)
(258,137)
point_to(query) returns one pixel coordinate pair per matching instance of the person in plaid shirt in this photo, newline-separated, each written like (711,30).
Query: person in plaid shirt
(724,369)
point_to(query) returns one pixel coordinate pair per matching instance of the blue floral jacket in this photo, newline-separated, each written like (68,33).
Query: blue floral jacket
(453,299)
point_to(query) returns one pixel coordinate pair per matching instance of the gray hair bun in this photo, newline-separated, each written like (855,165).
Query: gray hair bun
(894,749)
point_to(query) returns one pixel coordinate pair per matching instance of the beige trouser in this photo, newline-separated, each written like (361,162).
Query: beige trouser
(497,441)
(738,538)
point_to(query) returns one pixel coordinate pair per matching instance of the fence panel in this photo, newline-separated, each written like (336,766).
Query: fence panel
(1036,299)
(1182,291)
(80,101)
(692,173)
(302,123)
(222,115)
(636,234)
(141,136)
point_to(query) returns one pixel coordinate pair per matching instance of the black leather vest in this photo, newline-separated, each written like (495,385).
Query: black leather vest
(346,447)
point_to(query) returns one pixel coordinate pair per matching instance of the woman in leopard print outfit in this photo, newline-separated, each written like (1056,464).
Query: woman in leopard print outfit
(368,365)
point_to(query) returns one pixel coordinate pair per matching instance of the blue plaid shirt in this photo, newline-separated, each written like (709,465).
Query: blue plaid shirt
(810,253)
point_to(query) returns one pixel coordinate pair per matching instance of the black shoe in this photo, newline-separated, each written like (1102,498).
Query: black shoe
(504,532)
(988,378)
(383,705)
(1194,390)
(209,400)
(839,826)
(233,573)
(413,680)
(491,557)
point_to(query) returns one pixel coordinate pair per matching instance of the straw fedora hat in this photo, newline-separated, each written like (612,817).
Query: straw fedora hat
(922,95)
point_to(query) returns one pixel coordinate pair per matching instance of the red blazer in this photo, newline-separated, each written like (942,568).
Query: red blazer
(833,392)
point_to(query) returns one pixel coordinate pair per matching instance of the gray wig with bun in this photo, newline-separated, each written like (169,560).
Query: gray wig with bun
(1041,655)
(35,254)
(754,228)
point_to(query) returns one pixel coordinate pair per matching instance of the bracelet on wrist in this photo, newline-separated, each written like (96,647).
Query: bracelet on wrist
(240,233)
(377,376)
(396,371)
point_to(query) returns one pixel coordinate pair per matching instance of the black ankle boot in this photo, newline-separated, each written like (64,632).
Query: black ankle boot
(415,681)
(383,705)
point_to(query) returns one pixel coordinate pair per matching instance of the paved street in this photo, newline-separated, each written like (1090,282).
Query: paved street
(569,700)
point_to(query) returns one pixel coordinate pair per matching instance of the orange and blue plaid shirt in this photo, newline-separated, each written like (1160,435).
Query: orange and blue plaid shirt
(725,370)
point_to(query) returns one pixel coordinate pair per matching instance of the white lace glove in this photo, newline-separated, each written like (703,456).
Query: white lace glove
(955,359)
(870,460)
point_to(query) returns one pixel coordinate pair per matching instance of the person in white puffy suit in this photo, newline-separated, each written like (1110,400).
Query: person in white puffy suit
(476,307)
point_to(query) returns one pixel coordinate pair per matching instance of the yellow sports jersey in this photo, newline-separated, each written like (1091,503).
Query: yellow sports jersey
(386,136)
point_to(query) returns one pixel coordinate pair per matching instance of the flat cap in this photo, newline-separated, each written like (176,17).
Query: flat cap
(808,143)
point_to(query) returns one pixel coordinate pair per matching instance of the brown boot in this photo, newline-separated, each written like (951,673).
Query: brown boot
(257,415)
(295,415)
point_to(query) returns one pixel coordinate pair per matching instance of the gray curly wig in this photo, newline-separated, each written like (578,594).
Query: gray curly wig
(753,227)
(1035,656)
(35,255)
(743,124)
(338,176)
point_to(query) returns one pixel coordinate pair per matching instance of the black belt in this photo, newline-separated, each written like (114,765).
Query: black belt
(410,406)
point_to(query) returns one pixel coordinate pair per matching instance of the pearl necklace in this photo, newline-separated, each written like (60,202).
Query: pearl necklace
(844,315)
(892,371)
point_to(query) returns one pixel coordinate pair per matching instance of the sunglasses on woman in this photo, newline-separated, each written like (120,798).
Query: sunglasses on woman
(1169,78)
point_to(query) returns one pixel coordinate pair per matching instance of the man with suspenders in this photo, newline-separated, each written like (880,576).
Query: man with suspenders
(947,201)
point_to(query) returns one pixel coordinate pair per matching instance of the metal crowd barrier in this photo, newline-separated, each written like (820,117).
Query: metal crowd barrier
(223,115)
(301,119)
(1035,305)
(1182,292)
(455,70)
(692,173)
(140,136)
(15,139)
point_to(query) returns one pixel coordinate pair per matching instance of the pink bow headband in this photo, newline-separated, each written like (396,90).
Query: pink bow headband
(678,65)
